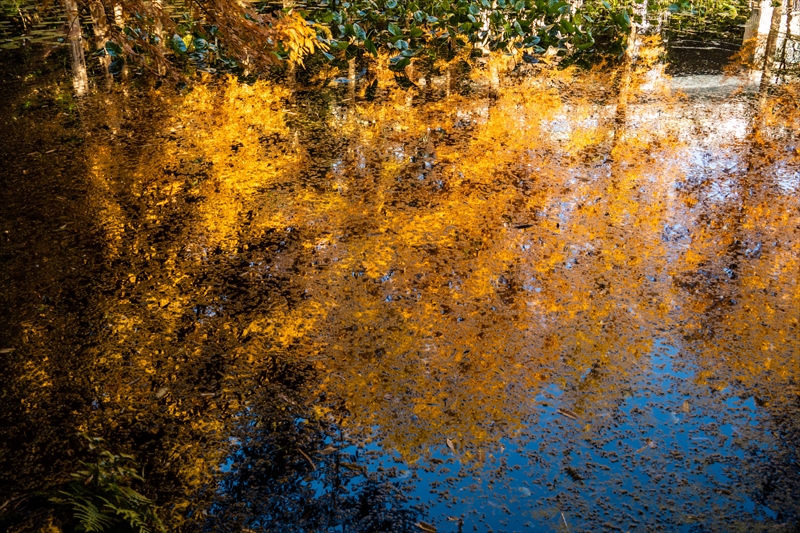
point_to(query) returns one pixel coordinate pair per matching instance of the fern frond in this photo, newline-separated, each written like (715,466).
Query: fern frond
(101,498)
(134,519)
(134,496)
(90,518)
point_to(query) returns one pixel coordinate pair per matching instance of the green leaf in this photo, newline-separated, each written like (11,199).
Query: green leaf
(606,4)
(113,49)
(401,45)
(370,46)
(555,7)
(400,62)
(416,33)
(586,45)
(178,45)
(391,4)
(360,34)
(626,19)
(395,30)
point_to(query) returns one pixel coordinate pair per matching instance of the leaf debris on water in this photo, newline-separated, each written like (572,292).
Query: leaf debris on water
(424,526)
(567,413)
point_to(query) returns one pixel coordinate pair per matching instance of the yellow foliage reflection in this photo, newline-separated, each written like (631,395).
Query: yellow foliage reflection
(438,262)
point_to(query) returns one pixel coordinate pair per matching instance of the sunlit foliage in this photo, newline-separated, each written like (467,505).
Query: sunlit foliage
(411,271)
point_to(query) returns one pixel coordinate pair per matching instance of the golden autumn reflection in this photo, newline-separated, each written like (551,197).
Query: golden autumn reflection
(446,260)
(421,268)
(451,257)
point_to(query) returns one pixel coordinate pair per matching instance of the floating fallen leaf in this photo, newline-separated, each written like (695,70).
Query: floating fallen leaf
(451,445)
(567,413)
(686,406)
(286,399)
(574,474)
(424,526)
(327,451)
(160,393)
(648,443)
(310,400)
(6,350)
(50,151)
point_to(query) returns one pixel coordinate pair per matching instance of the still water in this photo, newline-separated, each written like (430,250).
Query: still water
(561,301)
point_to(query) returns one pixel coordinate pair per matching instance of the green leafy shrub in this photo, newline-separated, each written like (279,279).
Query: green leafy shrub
(439,28)
(101,498)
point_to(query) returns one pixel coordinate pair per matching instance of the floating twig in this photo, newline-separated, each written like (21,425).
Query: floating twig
(567,413)
(307,458)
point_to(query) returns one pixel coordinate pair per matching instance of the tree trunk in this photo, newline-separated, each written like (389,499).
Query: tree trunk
(769,52)
(351,76)
(119,20)
(623,95)
(101,33)
(788,37)
(80,79)
(158,8)
(158,29)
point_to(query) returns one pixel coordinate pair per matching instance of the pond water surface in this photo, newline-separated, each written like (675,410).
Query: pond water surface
(566,303)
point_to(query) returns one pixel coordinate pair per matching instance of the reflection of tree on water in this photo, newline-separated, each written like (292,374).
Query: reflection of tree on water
(293,470)
(429,267)
(739,288)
